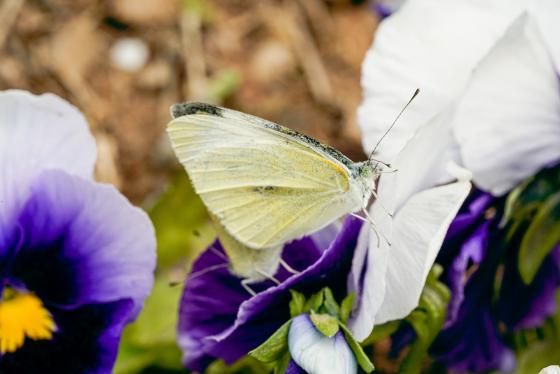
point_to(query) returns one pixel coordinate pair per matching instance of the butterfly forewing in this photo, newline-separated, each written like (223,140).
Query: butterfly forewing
(265,185)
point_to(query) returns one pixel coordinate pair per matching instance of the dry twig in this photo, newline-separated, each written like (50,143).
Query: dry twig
(9,11)
(292,25)
(195,63)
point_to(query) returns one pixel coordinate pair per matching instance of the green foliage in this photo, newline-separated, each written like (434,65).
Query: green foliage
(532,217)
(381,332)
(542,236)
(183,228)
(427,320)
(198,8)
(538,355)
(346,306)
(314,302)
(151,339)
(361,357)
(223,85)
(330,303)
(327,316)
(297,304)
(183,231)
(246,365)
(325,323)
(275,347)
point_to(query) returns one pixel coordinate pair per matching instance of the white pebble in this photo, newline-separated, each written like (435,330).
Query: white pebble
(129,54)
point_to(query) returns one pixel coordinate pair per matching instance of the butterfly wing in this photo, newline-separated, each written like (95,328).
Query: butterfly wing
(252,264)
(266,184)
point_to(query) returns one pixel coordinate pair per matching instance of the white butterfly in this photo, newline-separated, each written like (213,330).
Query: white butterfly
(265,184)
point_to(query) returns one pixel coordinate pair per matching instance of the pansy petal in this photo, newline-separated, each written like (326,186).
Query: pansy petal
(552,369)
(212,297)
(524,306)
(260,316)
(36,133)
(317,353)
(508,121)
(547,13)
(472,251)
(86,341)
(418,231)
(473,344)
(294,368)
(400,62)
(420,165)
(83,243)
(369,266)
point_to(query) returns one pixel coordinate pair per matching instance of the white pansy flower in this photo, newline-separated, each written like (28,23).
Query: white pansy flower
(317,353)
(552,369)
(493,64)
(389,278)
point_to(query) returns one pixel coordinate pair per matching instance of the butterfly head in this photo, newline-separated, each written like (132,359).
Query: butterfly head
(368,173)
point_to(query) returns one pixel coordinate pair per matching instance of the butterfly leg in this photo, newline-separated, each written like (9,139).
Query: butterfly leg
(375,229)
(268,276)
(369,222)
(245,284)
(286,266)
(215,251)
(207,270)
(381,204)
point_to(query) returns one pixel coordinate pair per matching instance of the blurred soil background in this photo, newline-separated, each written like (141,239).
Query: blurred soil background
(123,63)
(295,62)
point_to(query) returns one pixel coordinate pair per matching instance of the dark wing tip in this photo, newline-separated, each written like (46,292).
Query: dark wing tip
(183,109)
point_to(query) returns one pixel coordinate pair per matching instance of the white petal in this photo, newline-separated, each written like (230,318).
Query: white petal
(372,256)
(419,228)
(316,353)
(421,165)
(547,14)
(508,121)
(428,44)
(36,133)
(552,369)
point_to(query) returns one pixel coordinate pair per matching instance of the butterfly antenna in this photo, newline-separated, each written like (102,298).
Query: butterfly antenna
(394,122)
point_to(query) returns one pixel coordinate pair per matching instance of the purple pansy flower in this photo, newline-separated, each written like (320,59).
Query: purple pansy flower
(218,318)
(472,254)
(76,259)
(471,341)
(384,8)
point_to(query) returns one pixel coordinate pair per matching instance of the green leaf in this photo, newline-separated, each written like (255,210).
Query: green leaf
(297,304)
(427,320)
(152,326)
(282,364)
(381,332)
(325,323)
(314,302)
(346,306)
(184,233)
(274,347)
(330,303)
(538,355)
(542,236)
(151,339)
(244,365)
(361,357)
(223,85)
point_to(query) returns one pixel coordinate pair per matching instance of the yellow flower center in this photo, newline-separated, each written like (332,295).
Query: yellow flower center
(23,315)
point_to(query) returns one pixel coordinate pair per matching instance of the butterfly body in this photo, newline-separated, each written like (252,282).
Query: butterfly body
(266,184)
